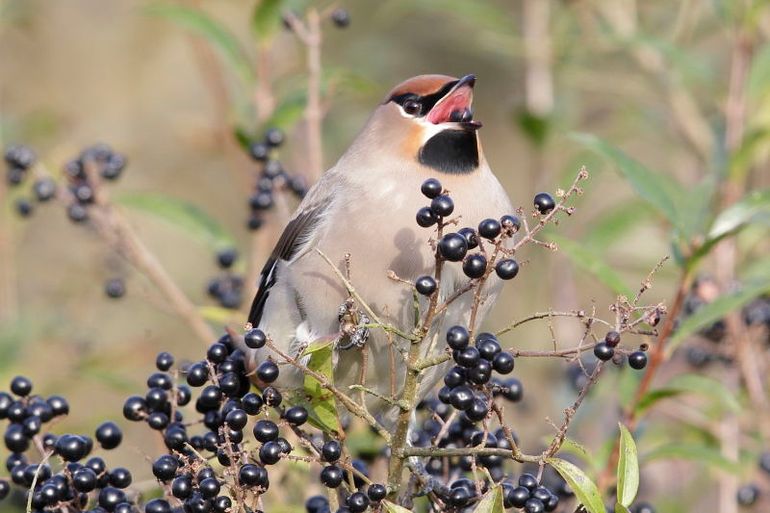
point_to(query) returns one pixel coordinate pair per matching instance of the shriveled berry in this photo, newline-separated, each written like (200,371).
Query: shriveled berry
(431,188)
(510,223)
(425,285)
(272,397)
(612,338)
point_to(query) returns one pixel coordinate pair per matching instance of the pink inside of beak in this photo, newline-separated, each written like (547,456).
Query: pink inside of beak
(458,100)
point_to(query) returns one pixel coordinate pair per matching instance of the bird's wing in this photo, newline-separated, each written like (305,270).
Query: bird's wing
(294,241)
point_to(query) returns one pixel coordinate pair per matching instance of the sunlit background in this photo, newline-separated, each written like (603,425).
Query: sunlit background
(649,77)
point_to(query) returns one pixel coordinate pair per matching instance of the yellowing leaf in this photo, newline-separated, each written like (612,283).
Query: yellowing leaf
(585,490)
(628,468)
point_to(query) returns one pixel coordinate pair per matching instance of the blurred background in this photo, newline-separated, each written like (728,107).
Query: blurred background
(168,86)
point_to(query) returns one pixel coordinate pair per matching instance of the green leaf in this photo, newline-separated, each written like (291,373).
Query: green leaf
(699,453)
(491,502)
(660,191)
(628,468)
(753,208)
(570,446)
(288,112)
(704,386)
(394,508)
(585,490)
(213,31)
(319,402)
(759,74)
(181,214)
(619,508)
(266,18)
(219,315)
(717,309)
(585,259)
(612,224)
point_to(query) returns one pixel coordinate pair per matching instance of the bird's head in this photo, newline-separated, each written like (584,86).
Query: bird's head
(429,119)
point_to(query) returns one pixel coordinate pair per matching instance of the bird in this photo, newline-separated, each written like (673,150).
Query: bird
(361,216)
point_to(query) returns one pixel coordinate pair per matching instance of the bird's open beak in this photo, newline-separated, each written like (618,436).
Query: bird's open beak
(456,105)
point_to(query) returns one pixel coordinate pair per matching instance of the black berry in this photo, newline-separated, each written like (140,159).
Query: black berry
(544,202)
(425,285)
(637,360)
(431,188)
(603,351)
(442,205)
(507,269)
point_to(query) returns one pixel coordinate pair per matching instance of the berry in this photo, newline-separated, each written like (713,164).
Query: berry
(534,506)
(358,502)
(5,488)
(425,285)
(134,408)
(115,288)
(637,360)
(110,497)
(197,374)
(510,223)
(165,467)
(515,497)
(164,361)
(480,373)
(474,266)
(470,237)
(20,156)
(77,213)
(488,346)
(272,397)
(216,353)
(490,228)
(270,453)
(468,357)
(331,476)
(252,475)
(376,492)
(252,403)
(21,386)
(157,506)
(209,487)
(747,495)
(454,377)
(426,218)
(431,188)
(764,462)
(457,338)
(296,415)
(255,338)
(259,151)
(226,258)
(477,410)
(340,17)
(222,504)
(109,435)
(331,451)
(274,137)
(442,205)
(503,363)
(236,419)
(71,447)
(459,497)
(23,207)
(265,431)
(612,338)
(507,269)
(267,371)
(453,247)
(461,397)
(120,477)
(528,481)
(544,202)
(603,351)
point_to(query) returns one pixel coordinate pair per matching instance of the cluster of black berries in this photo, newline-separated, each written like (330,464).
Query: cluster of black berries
(227,288)
(20,159)
(468,384)
(455,247)
(332,476)
(605,350)
(101,159)
(271,177)
(64,481)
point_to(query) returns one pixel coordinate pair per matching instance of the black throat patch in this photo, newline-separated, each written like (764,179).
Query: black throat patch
(451,151)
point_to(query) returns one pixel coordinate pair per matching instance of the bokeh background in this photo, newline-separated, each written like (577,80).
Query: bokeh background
(650,77)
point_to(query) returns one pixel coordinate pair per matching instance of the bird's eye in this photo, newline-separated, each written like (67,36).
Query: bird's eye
(411,107)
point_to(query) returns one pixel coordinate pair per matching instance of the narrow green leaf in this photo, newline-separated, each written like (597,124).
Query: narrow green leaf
(755,207)
(266,18)
(570,446)
(213,31)
(181,214)
(585,490)
(699,453)
(628,468)
(717,309)
(704,386)
(619,508)
(320,403)
(492,502)
(288,112)
(659,190)
(585,259)
(394,508)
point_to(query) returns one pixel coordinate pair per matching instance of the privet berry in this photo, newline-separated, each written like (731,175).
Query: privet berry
(425,285)
(331,476)
(426,217)
(474,266)
(255,338)
(603,351)
(637,360)
(452,247)
(442,205)
(457,338)
(507,269)
(431,188)
(544,202)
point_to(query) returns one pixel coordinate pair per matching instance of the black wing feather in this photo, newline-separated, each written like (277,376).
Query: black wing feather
(293,237)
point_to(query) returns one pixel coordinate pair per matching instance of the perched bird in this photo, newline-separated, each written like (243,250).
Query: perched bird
(365,206)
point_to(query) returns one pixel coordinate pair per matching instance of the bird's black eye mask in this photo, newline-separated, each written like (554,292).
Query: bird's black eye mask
(419,106)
